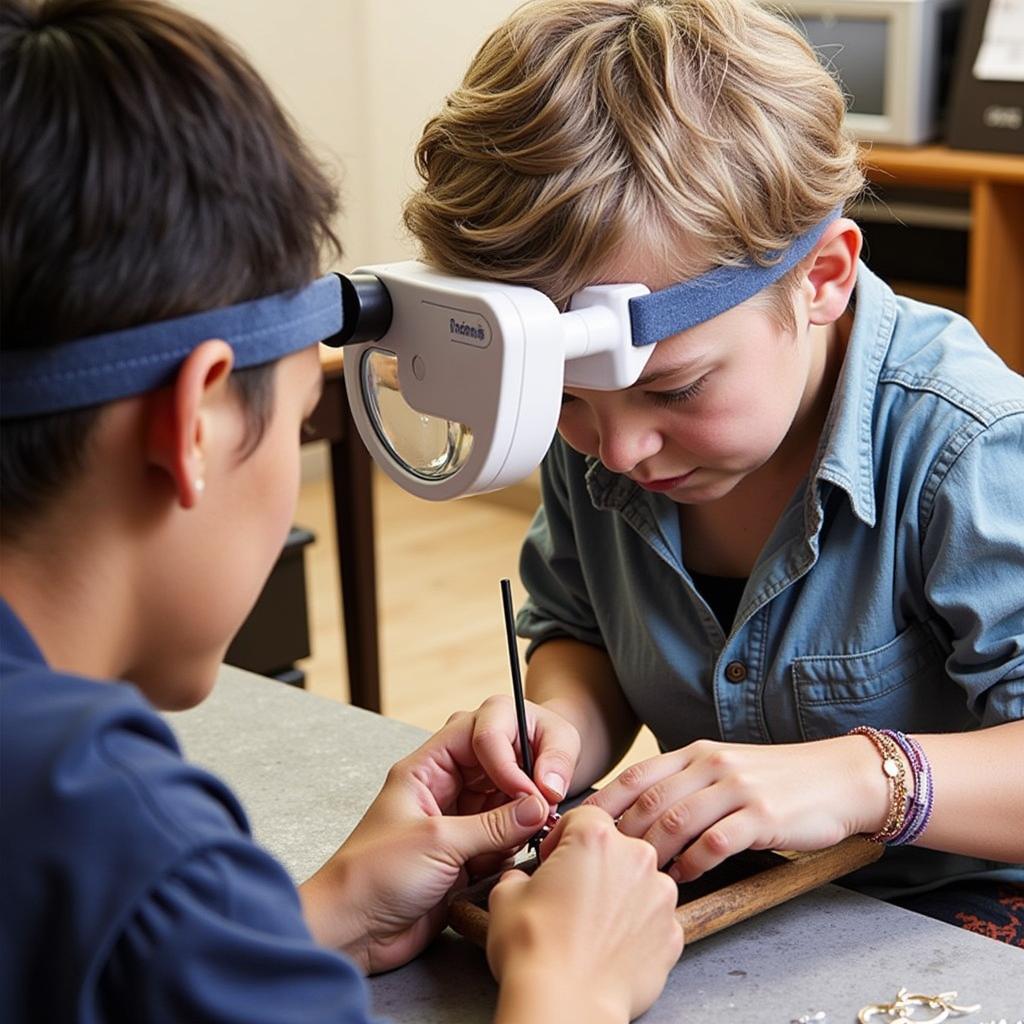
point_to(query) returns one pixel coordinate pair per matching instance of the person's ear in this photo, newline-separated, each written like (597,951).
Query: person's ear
(179,418)
(832,272)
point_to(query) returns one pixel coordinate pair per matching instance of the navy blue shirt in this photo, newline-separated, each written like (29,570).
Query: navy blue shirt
(130,885)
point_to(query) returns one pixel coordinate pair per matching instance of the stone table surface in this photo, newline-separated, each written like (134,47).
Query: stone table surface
(306,767)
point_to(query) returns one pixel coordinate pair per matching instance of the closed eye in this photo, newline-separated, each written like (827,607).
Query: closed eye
(686,394)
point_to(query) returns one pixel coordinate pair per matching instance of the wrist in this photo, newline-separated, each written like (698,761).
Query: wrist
(331,907)
(537,988)
(873,804)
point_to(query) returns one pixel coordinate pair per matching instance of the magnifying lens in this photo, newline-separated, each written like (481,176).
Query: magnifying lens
(455,384)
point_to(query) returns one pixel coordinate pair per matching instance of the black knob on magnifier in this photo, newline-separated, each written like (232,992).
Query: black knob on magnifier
(366,310)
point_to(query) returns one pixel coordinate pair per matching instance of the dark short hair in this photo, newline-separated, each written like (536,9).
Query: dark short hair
(148,172)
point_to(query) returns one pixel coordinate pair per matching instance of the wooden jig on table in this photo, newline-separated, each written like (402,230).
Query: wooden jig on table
(741,887)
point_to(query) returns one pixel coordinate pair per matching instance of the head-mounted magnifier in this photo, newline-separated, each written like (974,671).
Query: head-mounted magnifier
(455,384)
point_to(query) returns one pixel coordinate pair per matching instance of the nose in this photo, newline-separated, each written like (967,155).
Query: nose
(606,424)
(625,441)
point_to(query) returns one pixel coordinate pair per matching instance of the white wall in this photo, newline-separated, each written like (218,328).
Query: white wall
(361,77)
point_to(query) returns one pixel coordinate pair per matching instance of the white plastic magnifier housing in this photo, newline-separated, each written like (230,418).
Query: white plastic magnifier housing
(455,384)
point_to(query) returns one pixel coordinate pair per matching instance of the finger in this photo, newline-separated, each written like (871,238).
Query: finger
(477,803)
(556,749)
(680,823)
(730,835)
(506,888)
(494,746)
(622,792)
(578,821)
(552,839)
(488,864)
(662,799)
(447,764)
(444,766)
(477,780)
(495,831)
(495,799)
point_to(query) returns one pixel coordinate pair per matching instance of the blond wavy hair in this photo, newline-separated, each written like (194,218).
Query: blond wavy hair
(706,131)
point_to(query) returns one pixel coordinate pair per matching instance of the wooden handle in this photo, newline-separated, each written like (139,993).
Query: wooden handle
(795,875)
(469,920)
(767,889)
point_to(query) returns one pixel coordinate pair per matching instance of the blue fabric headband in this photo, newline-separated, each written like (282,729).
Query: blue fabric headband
(661,314)
(129,362)
(105,367)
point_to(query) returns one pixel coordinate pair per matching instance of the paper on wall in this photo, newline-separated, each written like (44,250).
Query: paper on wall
(1001,54)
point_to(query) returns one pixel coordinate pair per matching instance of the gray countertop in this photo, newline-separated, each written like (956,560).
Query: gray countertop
(305,768)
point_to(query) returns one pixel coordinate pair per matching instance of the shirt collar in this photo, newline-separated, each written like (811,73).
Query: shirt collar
(846,453)
(607,490)
(16,641)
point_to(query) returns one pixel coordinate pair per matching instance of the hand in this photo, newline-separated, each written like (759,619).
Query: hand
(555,744)
(592,930)
(711,800)
(383,896)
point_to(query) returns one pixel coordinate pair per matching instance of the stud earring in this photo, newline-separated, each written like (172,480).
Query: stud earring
(199,485)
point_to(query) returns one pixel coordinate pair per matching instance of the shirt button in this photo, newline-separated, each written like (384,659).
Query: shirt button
(735,671)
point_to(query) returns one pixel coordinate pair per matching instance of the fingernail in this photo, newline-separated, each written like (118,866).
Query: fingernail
(530,812)
(555,783)
(677,873)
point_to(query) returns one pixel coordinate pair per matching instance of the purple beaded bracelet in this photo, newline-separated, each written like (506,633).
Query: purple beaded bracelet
(919,809)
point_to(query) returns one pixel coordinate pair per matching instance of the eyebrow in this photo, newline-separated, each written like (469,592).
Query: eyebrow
(650,378)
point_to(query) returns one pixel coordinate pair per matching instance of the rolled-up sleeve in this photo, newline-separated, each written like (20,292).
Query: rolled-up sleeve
(973,554)
(558,602)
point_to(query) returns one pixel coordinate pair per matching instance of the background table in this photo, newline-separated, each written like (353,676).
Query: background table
(306,768)
(276,633)
(352,491)
(995,265)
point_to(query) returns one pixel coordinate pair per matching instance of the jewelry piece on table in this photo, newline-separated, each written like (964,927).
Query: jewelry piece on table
(809,1018)
(900,1009)
(887,1010)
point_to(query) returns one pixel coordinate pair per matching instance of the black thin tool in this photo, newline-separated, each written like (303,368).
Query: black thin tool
(517,693)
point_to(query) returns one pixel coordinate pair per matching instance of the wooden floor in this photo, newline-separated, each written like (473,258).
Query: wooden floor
(438,567)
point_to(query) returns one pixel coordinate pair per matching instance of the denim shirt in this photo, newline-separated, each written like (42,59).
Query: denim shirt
(890,593)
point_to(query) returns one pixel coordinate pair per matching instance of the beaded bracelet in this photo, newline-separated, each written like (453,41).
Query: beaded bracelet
(919,810)
(896,775)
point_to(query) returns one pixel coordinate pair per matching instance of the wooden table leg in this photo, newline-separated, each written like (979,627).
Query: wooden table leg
(351,474)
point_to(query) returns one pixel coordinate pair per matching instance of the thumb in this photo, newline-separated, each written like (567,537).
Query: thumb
(497,830)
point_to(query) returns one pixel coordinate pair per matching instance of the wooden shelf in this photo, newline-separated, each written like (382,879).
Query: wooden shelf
(995,266)
(940,166)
